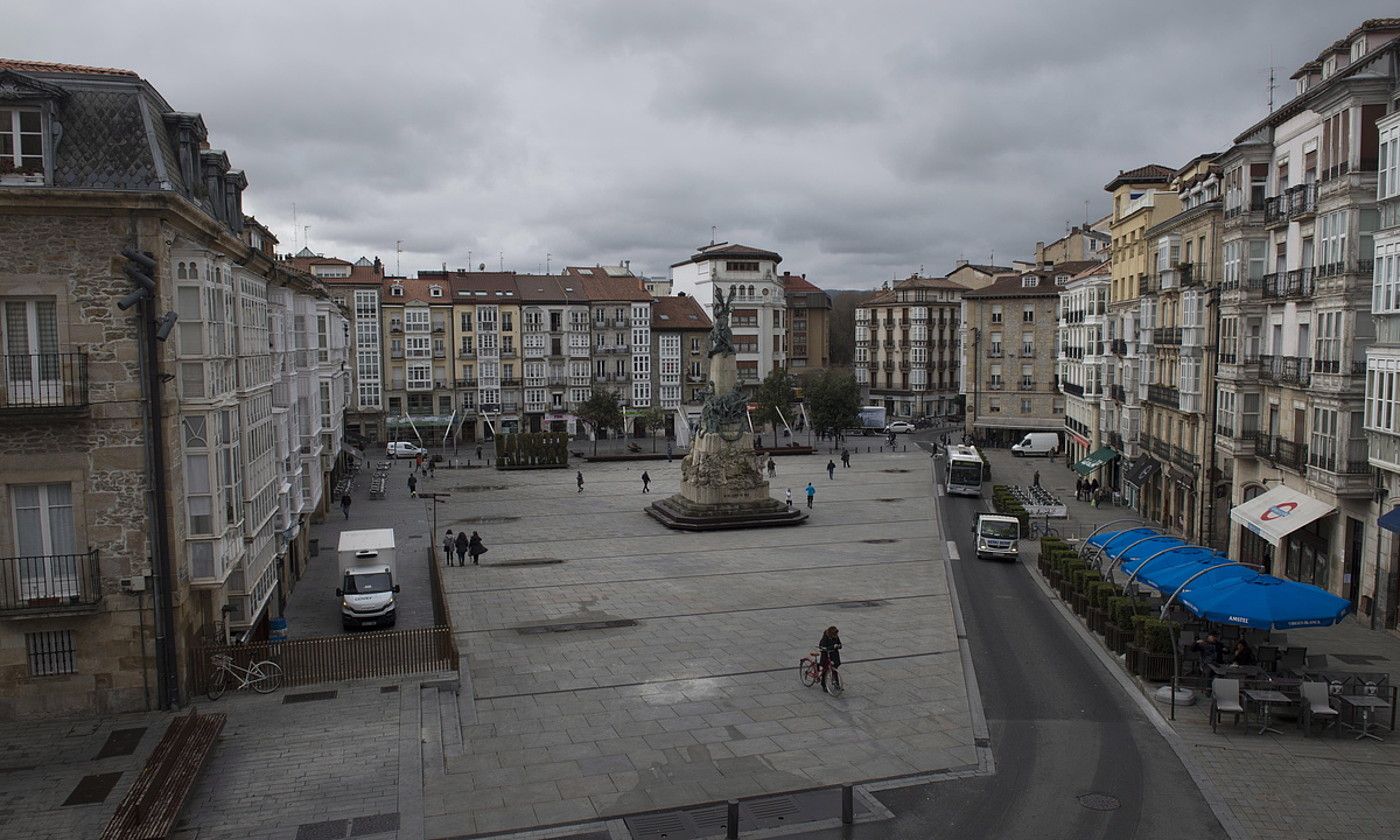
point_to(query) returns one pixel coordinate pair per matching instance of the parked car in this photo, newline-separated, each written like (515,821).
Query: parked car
(899,427)
(404,449)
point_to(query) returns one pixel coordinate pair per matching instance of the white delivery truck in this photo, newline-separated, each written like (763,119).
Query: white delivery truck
(997,536)
(1037,443)
(367,586)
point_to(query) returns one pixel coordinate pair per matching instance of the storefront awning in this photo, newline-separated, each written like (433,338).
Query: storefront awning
(1279,512)
(1390,521)
(1096,459)
(1141,471)
(419,420)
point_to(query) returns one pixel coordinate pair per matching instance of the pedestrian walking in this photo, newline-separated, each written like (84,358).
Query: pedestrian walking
(1036,478)
(447,542)
(830,470)
(788,496)
(845,457)
(478,453)
(462,544)
(811,493)
(1079,489)
(412,485)
(772,467)
(345,505)
(475,548)
(670,451)
(580,481)
(646,482)
(418,461)
(430,467)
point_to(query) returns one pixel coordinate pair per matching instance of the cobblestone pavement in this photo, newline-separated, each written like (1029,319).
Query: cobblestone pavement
(1276,785)
(700,699)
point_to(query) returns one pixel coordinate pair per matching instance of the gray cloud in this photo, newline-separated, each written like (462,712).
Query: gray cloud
(859,140)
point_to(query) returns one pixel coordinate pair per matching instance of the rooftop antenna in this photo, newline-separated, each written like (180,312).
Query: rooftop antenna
(306,236)
(712,234)
(398,252)
(469,259)
(1271,88)
(502,255)
(1086,215)
(294,228)
(547,255)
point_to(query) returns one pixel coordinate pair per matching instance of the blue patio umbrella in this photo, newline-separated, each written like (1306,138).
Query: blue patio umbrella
(1170,578)
(1266,602)
(1103,539)
(1131,553)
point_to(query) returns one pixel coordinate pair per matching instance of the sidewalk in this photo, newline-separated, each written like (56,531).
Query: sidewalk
(1276,785)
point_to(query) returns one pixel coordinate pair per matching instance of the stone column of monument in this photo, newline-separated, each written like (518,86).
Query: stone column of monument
(722,483)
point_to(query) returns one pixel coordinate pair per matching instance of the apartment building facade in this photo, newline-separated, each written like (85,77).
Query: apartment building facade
(1140,199)
(1292,424)
(1382,422)
(908,347)
(680,334)
(86,519)
(1083,348)
(1177,316)
(809,324)
(759,316)
(1009,356)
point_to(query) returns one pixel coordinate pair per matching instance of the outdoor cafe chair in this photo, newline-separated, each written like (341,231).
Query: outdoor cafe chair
(1293,659)
(1317,705)
(1224,697)
(1267,656)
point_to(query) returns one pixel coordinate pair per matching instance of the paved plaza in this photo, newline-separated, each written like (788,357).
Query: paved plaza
(617,666)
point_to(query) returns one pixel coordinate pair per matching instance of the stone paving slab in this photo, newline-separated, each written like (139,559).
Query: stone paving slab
(700,700)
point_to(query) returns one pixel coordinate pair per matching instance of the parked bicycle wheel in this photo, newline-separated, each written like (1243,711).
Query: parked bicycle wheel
(833,682)
(218,682)
(806,669)
(268,678)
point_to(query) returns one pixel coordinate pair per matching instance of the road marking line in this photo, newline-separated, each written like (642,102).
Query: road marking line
(953,551)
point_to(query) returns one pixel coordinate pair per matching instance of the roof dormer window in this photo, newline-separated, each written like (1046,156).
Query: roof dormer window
(1030,281)
(434,291)
(21,145)
(1329,67)
(396,291)
(1358,48)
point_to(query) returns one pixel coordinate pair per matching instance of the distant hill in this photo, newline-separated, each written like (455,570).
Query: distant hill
(843,323)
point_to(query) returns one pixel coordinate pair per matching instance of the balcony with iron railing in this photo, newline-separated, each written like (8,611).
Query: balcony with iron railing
(44,384)
(1281,451)
(1026,385)
(1183,458)
(1115,440)
(1346,472)
(1286,370)
(1290,285)
(49,584)
(1164,395)
(1167,336)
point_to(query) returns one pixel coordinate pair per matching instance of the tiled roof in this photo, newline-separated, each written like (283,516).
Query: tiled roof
(798,283)
(987,269)
(22,66)
(678,312)
(550,288)
(1092,270)
(493,286)
(614,289)
(727,250)
(1010,287)
(416,290)
(881,296)
(1152,173)
(915,281)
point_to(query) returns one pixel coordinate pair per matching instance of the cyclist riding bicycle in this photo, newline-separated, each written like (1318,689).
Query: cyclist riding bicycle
(830,647)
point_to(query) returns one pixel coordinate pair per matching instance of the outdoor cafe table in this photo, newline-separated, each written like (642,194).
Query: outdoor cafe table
(1266,698)
(1248,672)
(1365,703)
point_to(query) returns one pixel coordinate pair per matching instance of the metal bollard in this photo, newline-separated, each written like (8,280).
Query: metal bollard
(848,805)
(732,820)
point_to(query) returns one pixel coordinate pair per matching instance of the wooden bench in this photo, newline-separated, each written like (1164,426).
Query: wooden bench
(149,809)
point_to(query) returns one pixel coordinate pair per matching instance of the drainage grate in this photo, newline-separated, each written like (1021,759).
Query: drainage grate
(754,814)
(375,824)
(91,790)
(535,629)
(388,689)
(530,561)
(309,697)
(121,742)
(1098,801)
(882,541)
(857,605)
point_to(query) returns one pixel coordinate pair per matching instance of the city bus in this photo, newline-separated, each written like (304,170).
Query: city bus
(964,471)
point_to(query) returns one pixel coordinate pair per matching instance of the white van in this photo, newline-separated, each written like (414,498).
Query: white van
(1037,443)
(997,536)
(368,589)
(404,449)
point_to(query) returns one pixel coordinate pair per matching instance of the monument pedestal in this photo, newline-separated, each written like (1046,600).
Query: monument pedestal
(722,487)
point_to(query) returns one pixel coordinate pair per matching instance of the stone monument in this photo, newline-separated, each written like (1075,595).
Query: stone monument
(722,483)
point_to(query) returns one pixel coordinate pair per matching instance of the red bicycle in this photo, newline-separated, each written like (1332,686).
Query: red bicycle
(810,672)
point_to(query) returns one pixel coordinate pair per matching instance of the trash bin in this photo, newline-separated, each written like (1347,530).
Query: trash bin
(277,630)
(315,547)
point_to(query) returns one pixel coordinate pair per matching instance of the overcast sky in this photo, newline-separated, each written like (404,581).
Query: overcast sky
(859,140)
